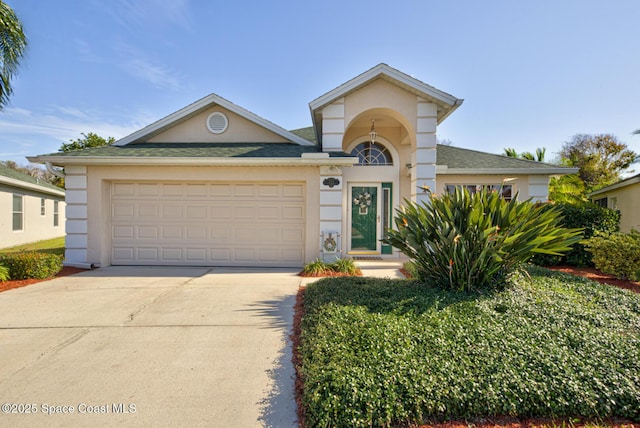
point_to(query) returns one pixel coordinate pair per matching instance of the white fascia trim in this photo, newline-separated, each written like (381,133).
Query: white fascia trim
(30,186)
(503,171)
(201,104)
(624,183)
(384,69)
(328,161)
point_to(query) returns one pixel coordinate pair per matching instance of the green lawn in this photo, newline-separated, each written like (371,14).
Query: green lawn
(379,352)
(50,246)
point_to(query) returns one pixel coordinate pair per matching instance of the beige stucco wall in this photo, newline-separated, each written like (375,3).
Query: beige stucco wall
(385,99)
(627,201)
(100,178)
(36,227)
(194,130)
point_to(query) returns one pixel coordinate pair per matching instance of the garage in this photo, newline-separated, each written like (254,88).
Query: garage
(207,223)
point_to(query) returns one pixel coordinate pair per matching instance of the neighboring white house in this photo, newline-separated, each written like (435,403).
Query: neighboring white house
(216,185)
(623,196)
(29,210)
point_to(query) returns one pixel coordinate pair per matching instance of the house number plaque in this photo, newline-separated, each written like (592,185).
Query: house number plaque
(331,182)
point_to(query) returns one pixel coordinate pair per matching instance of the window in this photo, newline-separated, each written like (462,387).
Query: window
(506,189)
(56,221)
(602,202)
(369,153)
(18,213)
(43,210)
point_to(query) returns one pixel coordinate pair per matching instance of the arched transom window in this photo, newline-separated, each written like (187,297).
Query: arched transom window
(369,153)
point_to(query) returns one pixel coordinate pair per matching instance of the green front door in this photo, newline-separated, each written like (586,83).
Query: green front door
(364,218)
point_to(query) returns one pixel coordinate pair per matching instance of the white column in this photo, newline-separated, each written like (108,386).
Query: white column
(331,185)
(423,159)
(333,126)
(76,239)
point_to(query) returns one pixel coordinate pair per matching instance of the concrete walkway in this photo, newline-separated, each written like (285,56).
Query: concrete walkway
(131,346)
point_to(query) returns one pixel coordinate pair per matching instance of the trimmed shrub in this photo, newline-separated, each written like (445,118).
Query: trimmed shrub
(4,273)
(31,265)
(592,219)
(465,241)
(616,254)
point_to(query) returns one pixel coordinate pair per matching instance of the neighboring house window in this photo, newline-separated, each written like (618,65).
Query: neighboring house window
(369,153)
(602,202)
(43,210)
(506,189)
(55,214)
(18,213)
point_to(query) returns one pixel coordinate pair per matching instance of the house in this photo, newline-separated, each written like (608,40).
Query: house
(623,196)
(214,184)
(30,210)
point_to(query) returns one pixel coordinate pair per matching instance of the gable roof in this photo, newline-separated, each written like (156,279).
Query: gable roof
(622,183)
(11,177)
(446,103)
(456,160)
(197,107)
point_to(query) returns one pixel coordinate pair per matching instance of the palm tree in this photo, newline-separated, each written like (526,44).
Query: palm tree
(12,45)
(539,156)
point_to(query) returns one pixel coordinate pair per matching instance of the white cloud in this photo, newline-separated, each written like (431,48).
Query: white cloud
(151,14)
(28,133)
(157,75)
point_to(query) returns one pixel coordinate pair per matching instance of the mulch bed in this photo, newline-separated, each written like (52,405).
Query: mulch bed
(328,273)
(596,275)
(498,422)
(16,283)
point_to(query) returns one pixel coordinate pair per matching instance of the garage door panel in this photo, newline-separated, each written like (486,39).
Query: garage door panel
(293,190)
(149,254)
(170,211)
(172,189)
(123,209)
(293,212)
(171,254)
(246,224)
(220,212)
(171,232)
(148,232)
(148,210)
(197,190)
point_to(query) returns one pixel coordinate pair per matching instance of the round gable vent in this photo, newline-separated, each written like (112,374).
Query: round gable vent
(217,122)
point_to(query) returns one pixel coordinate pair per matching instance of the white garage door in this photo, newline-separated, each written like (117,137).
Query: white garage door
(207,224)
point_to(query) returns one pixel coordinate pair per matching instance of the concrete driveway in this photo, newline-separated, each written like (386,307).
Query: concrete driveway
(133,346)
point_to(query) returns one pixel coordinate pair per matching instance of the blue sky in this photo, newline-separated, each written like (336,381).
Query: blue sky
(532,73)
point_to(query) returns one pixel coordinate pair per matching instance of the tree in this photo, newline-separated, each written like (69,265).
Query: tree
(88,140)
(568,189)
(600,158)
(31,170)
(538,157)
(12,46)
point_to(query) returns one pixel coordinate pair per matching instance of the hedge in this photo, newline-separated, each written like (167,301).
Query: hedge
(29,265)
(590,217)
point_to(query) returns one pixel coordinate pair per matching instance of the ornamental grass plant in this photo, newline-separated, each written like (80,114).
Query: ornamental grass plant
(465,241)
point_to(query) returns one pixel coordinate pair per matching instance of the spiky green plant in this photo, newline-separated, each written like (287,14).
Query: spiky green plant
(344,265)
(466,241)
(315,268)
